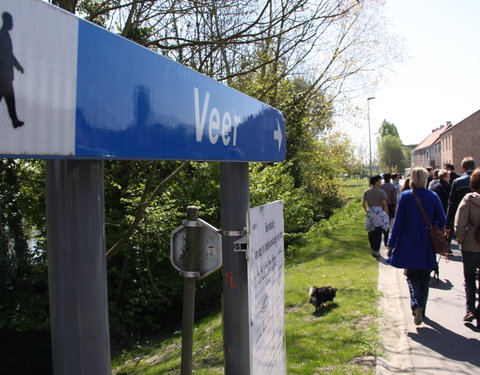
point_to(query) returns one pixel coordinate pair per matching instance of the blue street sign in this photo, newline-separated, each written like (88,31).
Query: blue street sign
(105,97)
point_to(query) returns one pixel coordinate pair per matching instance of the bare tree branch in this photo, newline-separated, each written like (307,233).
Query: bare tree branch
(145,201)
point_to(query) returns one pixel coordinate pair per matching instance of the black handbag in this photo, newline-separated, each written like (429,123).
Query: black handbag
(439,244)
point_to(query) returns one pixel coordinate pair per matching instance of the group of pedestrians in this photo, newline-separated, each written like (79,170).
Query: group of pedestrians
(449,201)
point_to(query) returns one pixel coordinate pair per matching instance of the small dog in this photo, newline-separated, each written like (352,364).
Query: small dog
(318,296)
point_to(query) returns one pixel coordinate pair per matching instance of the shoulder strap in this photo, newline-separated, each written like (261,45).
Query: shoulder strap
(420,207)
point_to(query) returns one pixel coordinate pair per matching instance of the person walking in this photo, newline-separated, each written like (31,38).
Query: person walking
(406,184)
(391,193)
(430,175)
(435,180)
(467,228)
(409,245)
(376,209)
(451,168)
(443,188)
(396,183)
(460,187)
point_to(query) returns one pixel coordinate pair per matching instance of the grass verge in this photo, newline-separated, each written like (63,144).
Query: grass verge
(341,339)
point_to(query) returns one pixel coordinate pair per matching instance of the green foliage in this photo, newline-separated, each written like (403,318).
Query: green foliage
(144,289)
(308,182)
(306,110)
(307,116)
(320,171)
(273,182)
(391,154)
(23,272)
(349,211)
(94,11)
(387,128)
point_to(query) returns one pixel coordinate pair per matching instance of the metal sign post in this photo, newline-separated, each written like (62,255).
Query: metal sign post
(77,267)
(235,200)
(189,291)
(195,250)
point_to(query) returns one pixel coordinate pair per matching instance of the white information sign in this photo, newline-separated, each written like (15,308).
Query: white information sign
(265,256)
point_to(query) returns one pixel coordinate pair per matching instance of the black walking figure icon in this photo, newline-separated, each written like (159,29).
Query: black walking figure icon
(7,62)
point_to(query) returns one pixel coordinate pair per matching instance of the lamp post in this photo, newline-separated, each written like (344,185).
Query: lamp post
(369,136)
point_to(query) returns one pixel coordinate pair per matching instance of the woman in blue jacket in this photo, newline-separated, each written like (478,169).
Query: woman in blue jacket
(409,245)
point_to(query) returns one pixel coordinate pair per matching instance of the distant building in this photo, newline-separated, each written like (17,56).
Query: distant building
(461,140)
(428,152)
(449,144)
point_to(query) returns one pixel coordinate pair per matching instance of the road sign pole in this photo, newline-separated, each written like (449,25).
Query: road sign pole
(188,316)
(77,267)
(235,196)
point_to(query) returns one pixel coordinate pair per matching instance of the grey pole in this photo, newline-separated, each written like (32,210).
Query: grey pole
(77,267)
(190,263)
(235,197)
(369,135)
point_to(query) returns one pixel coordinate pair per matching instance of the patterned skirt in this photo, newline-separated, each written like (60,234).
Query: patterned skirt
(376,217)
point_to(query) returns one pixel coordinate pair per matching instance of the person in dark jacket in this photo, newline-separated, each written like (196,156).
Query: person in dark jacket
(409,245)
(396,183)
(391,193)
(443,188)
(451,168)
(460,187)
(430,175)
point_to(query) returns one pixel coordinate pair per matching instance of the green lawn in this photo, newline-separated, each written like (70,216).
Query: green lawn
(343,339)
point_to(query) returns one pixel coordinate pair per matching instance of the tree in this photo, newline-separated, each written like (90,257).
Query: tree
(387,128)
(391,153)
(321,168)
(333,44)
(23,289)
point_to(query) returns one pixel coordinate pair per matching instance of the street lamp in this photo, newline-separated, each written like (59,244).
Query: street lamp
(369,136)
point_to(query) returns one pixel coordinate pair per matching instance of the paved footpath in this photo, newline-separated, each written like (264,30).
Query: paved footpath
(442,344)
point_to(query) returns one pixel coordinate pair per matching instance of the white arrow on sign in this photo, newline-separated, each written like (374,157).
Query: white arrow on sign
(277,134)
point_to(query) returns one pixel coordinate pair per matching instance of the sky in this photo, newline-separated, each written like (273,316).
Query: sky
(439,79)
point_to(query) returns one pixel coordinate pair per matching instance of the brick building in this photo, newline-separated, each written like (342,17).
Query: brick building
(461,140)
(428,152)
(450,144)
